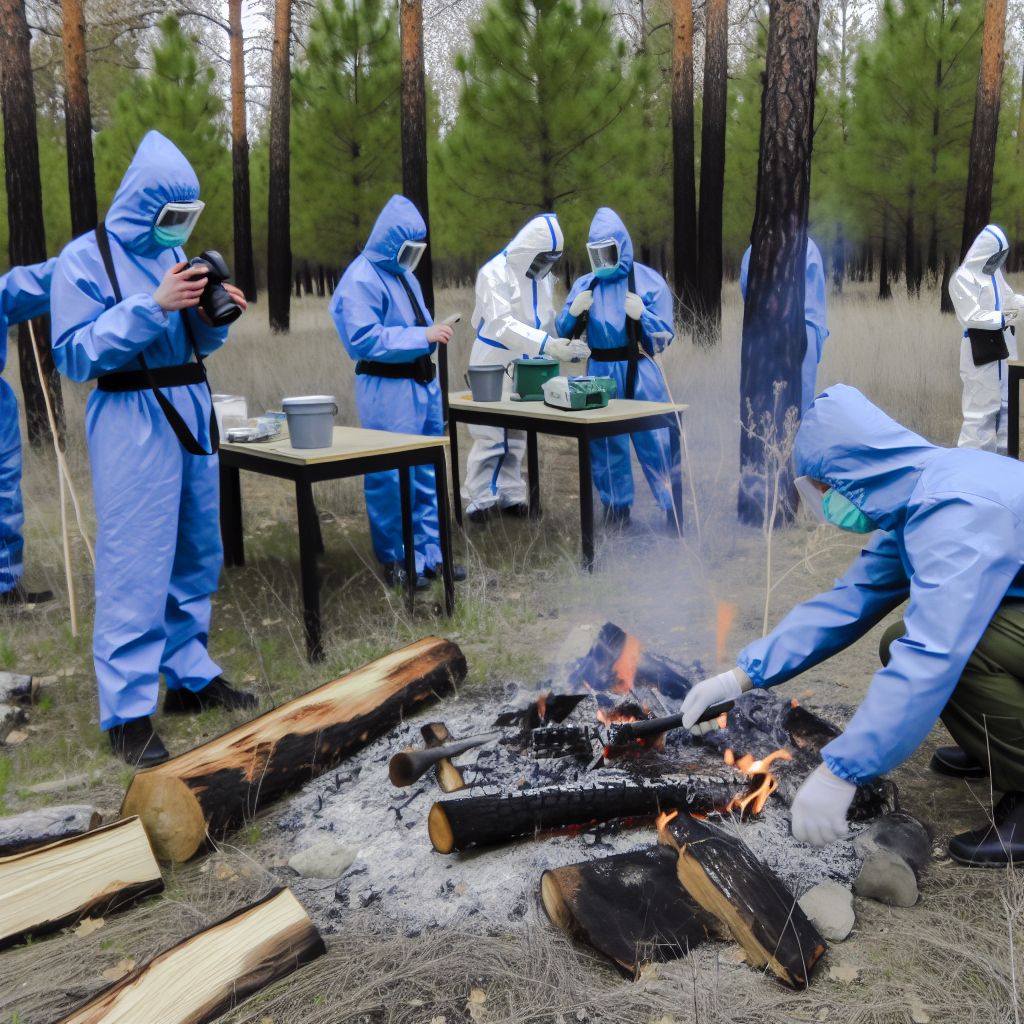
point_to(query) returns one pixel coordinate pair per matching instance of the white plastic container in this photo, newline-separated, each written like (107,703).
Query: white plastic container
(311,420)
(232,407)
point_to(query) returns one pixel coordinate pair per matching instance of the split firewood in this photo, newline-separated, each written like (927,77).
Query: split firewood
(449,776)
(459,824)
(16,689)
(217,786)
(95,873)
(726,879)
(212,971)
(630,907)
(33,829)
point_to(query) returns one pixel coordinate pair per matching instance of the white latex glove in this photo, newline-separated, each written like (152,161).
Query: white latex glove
(819,808)
(567,350)
(1011,314)
(581,303)
(727,686)
(634,306)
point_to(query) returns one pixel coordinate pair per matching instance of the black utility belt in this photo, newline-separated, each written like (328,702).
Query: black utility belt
(157,377)
(421,370)
(612,355)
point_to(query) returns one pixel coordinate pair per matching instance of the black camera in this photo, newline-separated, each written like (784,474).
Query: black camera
(219,307)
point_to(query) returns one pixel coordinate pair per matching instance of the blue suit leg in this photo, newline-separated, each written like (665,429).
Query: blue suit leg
(653,447)
(426,531)
(12,514)
(609,456)
(198,558)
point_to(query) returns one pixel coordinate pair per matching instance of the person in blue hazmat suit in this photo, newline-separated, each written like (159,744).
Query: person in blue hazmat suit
(946,533)
(623,300)
(384,324)
(136,330)
(514,318)
(24,294)
(988,311)
(814,318)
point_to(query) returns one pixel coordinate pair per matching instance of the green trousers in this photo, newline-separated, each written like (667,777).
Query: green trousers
(985,714)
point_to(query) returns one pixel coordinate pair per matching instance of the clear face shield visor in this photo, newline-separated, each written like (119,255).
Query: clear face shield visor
(410,255)
(542,265)
(994,263)
(811,497)
(175,221)
(604,255)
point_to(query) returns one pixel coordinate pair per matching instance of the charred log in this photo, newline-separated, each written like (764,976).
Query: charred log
(449,777)
(33,829)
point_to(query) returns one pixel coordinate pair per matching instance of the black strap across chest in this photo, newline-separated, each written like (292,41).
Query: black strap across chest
(148,379)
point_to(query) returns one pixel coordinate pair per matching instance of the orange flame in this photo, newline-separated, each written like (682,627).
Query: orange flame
(725,615)
(626,665)
(615,716)
(664,818)
(758,796)
(542,706)
(794,703)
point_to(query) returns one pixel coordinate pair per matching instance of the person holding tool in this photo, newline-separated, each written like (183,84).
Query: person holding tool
(131,314)
(382,320)
(947,533)
(514,317)
(626,310)
(988,311)
(24,294)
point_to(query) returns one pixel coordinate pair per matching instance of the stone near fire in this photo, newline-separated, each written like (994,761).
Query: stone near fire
(888,878)
(898,833)
(324,859)
(829,907)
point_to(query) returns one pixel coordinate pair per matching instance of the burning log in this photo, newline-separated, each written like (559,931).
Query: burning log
(618,662)
(33,829)
(213,970)
(724,877)
(95,873)
(459,824)
(629,907)
(216,786)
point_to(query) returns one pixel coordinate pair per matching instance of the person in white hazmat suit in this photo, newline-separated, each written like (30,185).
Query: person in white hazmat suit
(514,317)
(988,310)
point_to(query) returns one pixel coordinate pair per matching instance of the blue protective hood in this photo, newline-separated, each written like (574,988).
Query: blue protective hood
(398,222)
(608,224)
(850,444)
(158,174)
(814,288)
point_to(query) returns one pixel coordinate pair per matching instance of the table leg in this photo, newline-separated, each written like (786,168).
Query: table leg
(1013,412)
(586,502)
(453,444)
(231,516)
(408,542)
(677,474)
(533,473)
(444,526)
(308,533)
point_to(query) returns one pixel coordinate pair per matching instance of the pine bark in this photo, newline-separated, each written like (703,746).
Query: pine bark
(774,335)
(684,185)
(279,245)
(712,168)
(1017,253)
(984,133)
(27,241)
(244,269)
(78,119)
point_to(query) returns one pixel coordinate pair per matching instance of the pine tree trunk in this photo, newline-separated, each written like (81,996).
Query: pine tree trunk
(684,185)
(945,302)
(774,334)
(712,167)
(27,242)
(884,285)
(244,270)
(279,245)
(839,260)
(982,159)
(414,130)
(1017,253)
(909,249)
(78,119)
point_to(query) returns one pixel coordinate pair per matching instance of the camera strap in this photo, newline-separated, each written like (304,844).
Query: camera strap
(173,417)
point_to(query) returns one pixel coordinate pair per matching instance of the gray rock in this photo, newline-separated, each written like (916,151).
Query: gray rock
(888,878)
(324,859)
(829,906)
(899,833)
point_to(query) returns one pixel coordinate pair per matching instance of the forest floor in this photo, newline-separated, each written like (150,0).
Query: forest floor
(526,609)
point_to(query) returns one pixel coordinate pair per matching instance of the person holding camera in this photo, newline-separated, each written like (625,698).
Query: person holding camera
(129,312)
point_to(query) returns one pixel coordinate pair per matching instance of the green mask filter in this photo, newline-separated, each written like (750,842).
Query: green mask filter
(842,512)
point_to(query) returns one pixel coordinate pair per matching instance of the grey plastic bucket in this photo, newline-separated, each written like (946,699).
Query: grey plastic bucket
(485,382)
(311,420)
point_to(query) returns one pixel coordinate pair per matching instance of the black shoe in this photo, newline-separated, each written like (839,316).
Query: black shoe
(997,844)
(520,511)
(459,573)
(616,515)
(19,596)
(482,515)
(957,764)
(216,694)
(395,576)
(136,743)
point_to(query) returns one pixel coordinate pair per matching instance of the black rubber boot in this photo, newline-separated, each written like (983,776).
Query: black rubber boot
(996,844)
(520,511)
(395,576)
(20,597)
(957,764)
(216,694)
(479,516)
(616,515)
(459,573)
(137,744)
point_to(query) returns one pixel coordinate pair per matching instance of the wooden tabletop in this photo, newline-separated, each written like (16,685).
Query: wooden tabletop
(348,443)
(615,411)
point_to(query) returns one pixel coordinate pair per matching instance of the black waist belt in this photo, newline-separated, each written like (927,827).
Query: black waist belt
(611,355)
(157,377)
(421,370)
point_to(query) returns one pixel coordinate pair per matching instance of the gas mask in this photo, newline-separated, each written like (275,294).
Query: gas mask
(994,263)
(175,221)
(542,265)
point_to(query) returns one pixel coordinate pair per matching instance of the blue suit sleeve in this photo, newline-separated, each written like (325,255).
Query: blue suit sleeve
(872,587)
(91,338)
(208,337)
(565,321)
(657,314)
(358,317)
(25,291)
(961,574)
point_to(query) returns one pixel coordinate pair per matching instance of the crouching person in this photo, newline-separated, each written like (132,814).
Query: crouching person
(126,314)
